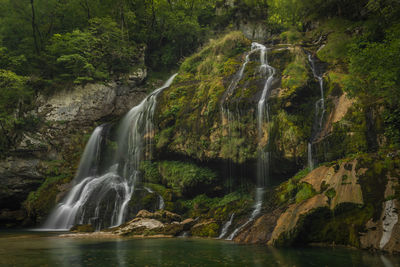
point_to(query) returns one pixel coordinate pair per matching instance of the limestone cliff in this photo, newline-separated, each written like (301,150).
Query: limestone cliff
(45,158)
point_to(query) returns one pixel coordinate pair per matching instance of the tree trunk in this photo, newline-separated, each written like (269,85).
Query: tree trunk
(34,28)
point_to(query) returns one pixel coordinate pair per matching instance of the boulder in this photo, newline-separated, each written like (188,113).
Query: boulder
(161,215)
(139,226)
(209,228)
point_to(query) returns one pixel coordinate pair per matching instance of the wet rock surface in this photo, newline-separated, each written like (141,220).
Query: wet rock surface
(53,149)
(161,222)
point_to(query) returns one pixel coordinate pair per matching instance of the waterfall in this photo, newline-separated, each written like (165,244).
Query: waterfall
(91,155)
(263,160)
(226,226)
(309,157)
(256,211)
(101,199)
(227,117)
(161,203)
(319,111)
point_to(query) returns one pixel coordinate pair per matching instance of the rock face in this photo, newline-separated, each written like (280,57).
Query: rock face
(18,177)
(47,156)
(254,30)
(384,234)
(352,203)
(260,232)
(160,223)
(90,103)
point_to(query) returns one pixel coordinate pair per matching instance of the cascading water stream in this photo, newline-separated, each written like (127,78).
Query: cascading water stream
(267,72)
(319,112)
(91,155)
(102,199)
(227,117)
(226,226)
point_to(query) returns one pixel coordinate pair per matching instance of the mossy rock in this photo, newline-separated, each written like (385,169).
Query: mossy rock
(295,191)
(187,178)
(205,229)
(82,228)
(40,202)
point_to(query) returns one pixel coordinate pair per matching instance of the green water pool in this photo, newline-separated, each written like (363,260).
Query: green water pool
(25,248)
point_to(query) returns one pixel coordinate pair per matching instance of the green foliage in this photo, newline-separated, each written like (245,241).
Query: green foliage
(304,192)
(295,191)
(289,13)
(188,178)
(40,202)
(375,67)
(331,193)
(292,36)
(92,54)
(296,73)
(207,229)
(349,135)
(188,110)
(15,94)
(218,208)
(340,226)
(150,172)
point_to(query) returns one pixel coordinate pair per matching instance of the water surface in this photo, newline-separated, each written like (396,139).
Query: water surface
(47,249)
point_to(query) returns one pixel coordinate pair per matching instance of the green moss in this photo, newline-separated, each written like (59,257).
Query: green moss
(40,202)
(336,81)
(336,49)
(345,177)
(349,136)
(305,191)
(296,73)
(217,208)
(187,178)
(324,186)
(83,228)
(189,111)
(292,36)
(166,193)
(210,229)
(331,193)
(141,199)
(211,58)
(150,172)
(340,226)
(344,224)
(295,191)
(374,180)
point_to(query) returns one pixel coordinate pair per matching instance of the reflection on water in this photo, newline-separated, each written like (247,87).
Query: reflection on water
(46,249)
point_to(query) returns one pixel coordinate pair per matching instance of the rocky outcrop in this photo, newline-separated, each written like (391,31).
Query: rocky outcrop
(159,223)
(47,156)
(261,230)
(208,228)
(384,234)
(354,202)
(84,105)
(17,178)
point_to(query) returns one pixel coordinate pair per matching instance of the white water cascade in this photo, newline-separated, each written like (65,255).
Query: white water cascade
(101,199)
(319,112)
(227,116)
(267,72)
(226,226)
